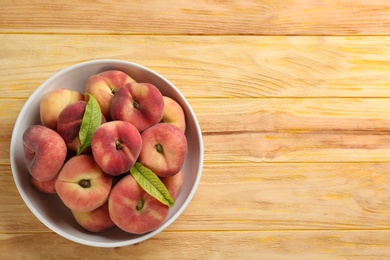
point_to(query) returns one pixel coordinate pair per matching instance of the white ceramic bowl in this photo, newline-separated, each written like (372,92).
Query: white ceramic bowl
(48,208)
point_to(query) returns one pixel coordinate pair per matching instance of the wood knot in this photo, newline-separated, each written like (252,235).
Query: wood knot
(374,195)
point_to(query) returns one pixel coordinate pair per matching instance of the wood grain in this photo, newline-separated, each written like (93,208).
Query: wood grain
(266,17)
(293,102)
(293,115)
(211,245)
(217,67)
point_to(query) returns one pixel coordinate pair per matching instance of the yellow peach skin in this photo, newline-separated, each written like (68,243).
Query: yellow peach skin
(174,183)
(82,185)
(104,85)
(173,113)
(96,220)
(54,102)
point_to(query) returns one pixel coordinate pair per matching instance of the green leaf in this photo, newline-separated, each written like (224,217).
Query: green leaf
(150,182)
(91,120)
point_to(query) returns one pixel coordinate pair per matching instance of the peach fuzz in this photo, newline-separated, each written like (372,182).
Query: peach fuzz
(164,148)
(173,114)
(103,87)
(53,102)
(115,146)
(82,185)
(133,210)
(96,220)
(141,104)
(44,152)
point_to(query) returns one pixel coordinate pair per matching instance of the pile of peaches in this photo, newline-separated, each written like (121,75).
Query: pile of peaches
(88,144)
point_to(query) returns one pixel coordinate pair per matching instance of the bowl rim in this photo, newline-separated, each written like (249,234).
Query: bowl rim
(69,236)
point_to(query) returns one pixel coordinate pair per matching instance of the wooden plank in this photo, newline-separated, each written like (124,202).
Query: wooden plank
(300,17)
(212,67)
(291,197)
(15,215)
(295,130)
(369,116)
(260,197)
(297,147)
(8,114)
(209,245)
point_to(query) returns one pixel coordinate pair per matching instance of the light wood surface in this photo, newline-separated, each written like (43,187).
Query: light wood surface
(293,99)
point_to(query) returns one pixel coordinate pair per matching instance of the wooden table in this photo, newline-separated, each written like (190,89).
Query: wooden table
(293,98)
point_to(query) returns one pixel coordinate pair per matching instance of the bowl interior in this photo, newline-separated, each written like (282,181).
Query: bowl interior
(48,208)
